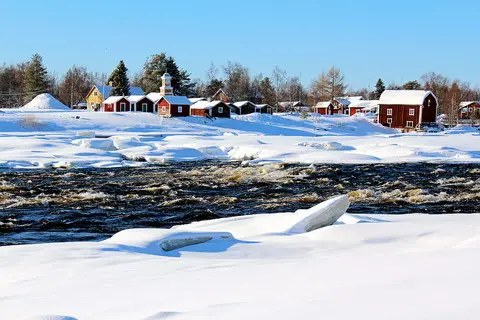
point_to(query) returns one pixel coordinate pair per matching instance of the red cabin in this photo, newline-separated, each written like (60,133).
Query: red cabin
(116,104)
(174,106)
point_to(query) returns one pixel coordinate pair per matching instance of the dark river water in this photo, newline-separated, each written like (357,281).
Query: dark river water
(93,204)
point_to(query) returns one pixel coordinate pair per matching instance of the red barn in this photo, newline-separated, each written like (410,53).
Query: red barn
(174,106)
(468,109)
(325,108)
(216,109)
(116,104)
(405,109)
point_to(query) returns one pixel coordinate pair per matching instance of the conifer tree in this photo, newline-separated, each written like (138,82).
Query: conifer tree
(36,78)
(379,88)
(120,81)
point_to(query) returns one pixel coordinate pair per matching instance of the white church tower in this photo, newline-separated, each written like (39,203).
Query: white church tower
(166,88)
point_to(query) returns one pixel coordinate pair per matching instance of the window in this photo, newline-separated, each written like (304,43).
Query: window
(411,112)
(122,106)
(144,107)
(164,109)
(95,93)
(389,112)
(429,102)
(389,120)
(180,109)
(409,124)
(220,109)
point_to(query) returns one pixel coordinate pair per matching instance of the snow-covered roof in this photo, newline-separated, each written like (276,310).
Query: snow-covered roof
(343,101)
(240,104)
(323,104)
(194,100)
(177,100)
(135,98)
(290,103)
(404,97)
(263,105)
(154,96)
(105,90)
(364,104)
(202,104)
(112,99)
(467,103)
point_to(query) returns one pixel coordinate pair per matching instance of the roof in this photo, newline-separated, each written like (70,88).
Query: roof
(135,99)
(113,99)
(263,105)
(467,103)
(290,103)
(177,100)
(221,90)
(202,104)
(240,104)
(368,104)
(194,100)
(154,96)
(343,101)
(105,90)
(404,97)
(323,104)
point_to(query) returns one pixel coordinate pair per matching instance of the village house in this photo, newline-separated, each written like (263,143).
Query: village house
(169,105)
(264,108)
(98,94)
(362,106)
(288,106)
(405,109)
(195,100)
(468,109)
(141,103)
(210,109)
(242,107)
(116,104)
(221,95)
(325,108)
(341,105)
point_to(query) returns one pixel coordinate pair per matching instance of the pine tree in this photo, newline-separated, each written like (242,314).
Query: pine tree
(379,88)
(36,79)
(120,81)
(156,66)
(412,85)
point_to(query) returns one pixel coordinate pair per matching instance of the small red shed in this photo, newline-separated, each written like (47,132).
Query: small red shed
(116,104)
(174,106)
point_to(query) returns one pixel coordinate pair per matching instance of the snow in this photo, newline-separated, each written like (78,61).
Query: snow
(154,96)
(195,100)
(135,98)
(201,104)
(177,100)
(79,139)
(366,104)
(323,104)
(112,99)
(255,267)
(45,101)
(404,97)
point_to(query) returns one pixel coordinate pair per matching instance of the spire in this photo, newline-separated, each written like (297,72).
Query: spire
(166,88)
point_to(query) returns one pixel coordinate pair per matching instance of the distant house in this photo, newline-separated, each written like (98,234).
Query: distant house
(98,94)
(116,104)
(243,107)
(362,106)
(221,95)
(80,106)
(341,104)
(288,106)
(264,108)
(212,109)
(169,105)
(325,108)
(195,100)
(468,109)
(257,98)
(405,109)
(141,104)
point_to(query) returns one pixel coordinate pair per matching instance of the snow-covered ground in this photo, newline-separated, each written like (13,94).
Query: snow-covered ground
(31,138)
(255,267)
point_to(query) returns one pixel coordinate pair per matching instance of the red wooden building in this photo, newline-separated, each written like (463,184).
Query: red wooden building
(363,106)
(405,109)
(221,95)
(214,109)
(174,106)
(141,104)
(325,108)
(116,104)
(468,109)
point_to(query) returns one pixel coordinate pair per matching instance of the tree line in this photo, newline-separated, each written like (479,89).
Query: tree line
(21,82)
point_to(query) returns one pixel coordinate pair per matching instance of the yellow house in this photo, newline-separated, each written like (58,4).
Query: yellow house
(98,94)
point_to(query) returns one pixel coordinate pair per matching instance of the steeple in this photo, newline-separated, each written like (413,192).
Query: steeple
(166,88)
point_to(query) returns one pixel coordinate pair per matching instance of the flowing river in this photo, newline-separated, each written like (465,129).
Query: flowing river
(93,204)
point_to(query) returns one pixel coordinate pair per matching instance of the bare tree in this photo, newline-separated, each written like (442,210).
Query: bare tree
(237,81)
(335,85)
(318,89)
(75,85)
(278,77)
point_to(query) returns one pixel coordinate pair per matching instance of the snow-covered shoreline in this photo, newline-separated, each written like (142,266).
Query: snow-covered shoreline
(254,267)
(36,139)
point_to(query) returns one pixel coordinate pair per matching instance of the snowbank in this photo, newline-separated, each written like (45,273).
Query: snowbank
(45,101)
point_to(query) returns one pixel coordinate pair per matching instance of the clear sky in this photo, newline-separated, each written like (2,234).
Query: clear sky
(395,40)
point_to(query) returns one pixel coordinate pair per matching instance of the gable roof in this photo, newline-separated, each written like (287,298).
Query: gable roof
(323,104)
(105,90)
(404,97)
(177,100)
(467,103)
(363,104)
(263,105)
(154,96)
(240,104)
(194,100)
(221,90)
(135,98)
(113,99)
(202,104)
(343,101)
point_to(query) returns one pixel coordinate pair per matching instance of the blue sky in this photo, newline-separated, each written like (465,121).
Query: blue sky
(395,40)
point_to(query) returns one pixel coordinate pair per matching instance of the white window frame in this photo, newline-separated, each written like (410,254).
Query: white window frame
(409,124)
(123,106)
(411,112)
(144,107)
(220,109)
(389,120)
(389,111)
(180,109)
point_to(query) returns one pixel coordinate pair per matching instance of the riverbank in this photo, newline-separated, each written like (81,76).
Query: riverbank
(79,139)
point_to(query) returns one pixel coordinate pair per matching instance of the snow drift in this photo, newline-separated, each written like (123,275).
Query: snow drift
(45,101)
